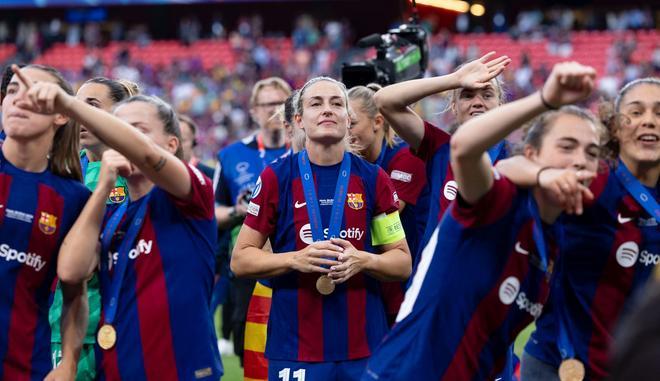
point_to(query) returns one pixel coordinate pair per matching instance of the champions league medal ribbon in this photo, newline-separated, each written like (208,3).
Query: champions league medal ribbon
(84,163)
(495,151)
(107,335)
(571,369)
(324,284)
(637,190)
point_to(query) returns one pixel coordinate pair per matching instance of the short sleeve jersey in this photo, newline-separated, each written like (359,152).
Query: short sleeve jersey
(407,173)
(36,212)
(434,151)
(163,319)
(478,283)
(305,325)
(609,253)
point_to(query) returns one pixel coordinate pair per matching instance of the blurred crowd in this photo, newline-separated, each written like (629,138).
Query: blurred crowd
(217,98)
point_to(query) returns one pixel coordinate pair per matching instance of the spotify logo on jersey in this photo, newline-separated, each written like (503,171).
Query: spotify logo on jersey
(451,188)
(509,290)
(627,254)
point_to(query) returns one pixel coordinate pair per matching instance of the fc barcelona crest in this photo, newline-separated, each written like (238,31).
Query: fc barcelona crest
(354,200)
(47,223)
(117,195)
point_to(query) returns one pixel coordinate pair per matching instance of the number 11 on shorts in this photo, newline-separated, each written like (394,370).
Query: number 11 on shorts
(298,375)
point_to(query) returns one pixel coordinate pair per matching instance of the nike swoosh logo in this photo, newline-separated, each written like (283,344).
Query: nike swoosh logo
(520,250)
(299,205)
(623,220)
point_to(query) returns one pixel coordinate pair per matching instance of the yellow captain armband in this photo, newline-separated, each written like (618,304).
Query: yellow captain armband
(386,228)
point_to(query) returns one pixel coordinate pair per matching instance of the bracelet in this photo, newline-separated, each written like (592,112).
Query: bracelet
(545,103)
(538,175)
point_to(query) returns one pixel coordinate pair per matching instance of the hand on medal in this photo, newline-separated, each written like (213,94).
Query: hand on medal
(352,261)
(317,257)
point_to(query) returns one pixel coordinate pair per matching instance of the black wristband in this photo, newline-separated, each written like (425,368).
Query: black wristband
(538,175)
(545,103)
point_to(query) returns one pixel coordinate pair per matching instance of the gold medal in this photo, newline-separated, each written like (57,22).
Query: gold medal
(324,285)
(571,370)
(106,337)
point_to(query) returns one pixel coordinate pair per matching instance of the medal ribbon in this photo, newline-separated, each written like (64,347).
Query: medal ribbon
(643,197)
(495,151)
(110,308)
(313,210)
(537,233)
(564,343)
(84,162)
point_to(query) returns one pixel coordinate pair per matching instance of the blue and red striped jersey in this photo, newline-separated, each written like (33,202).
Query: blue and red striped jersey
(164,320)
(407,173)
(36,212)
(608,253)
(478,283)
(305,325)
(434,151)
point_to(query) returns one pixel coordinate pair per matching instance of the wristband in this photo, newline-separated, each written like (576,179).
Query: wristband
(545,103)
(538,175)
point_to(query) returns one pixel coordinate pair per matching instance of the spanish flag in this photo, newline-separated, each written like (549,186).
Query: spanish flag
(255,364)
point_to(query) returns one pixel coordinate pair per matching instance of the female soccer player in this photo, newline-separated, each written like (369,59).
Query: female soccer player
(485,273)
(102,93)
(157,256)
(609,251)
(327,213)
(379,145)
(475,90)
(40,198)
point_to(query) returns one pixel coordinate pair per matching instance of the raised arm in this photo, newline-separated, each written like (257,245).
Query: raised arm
(160,166)
(79,253)
(394,101)
(568,83)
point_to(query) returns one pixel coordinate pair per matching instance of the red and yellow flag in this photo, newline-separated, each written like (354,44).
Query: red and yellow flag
(255,364)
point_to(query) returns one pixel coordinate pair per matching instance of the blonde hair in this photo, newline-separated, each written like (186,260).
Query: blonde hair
(365,94)
(275,82)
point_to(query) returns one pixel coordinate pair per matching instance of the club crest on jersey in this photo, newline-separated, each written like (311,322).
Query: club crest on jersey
(117,195)
(47,223)
(354,200)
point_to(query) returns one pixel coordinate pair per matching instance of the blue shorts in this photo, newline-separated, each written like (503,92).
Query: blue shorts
(349,370)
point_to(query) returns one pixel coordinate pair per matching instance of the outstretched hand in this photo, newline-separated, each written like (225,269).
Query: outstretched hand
(568,187)
(478,73)
(41,97)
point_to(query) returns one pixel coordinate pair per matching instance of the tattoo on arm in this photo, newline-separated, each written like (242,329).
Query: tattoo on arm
(161,163)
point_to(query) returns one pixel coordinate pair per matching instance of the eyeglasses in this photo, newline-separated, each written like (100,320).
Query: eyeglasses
(269,104)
